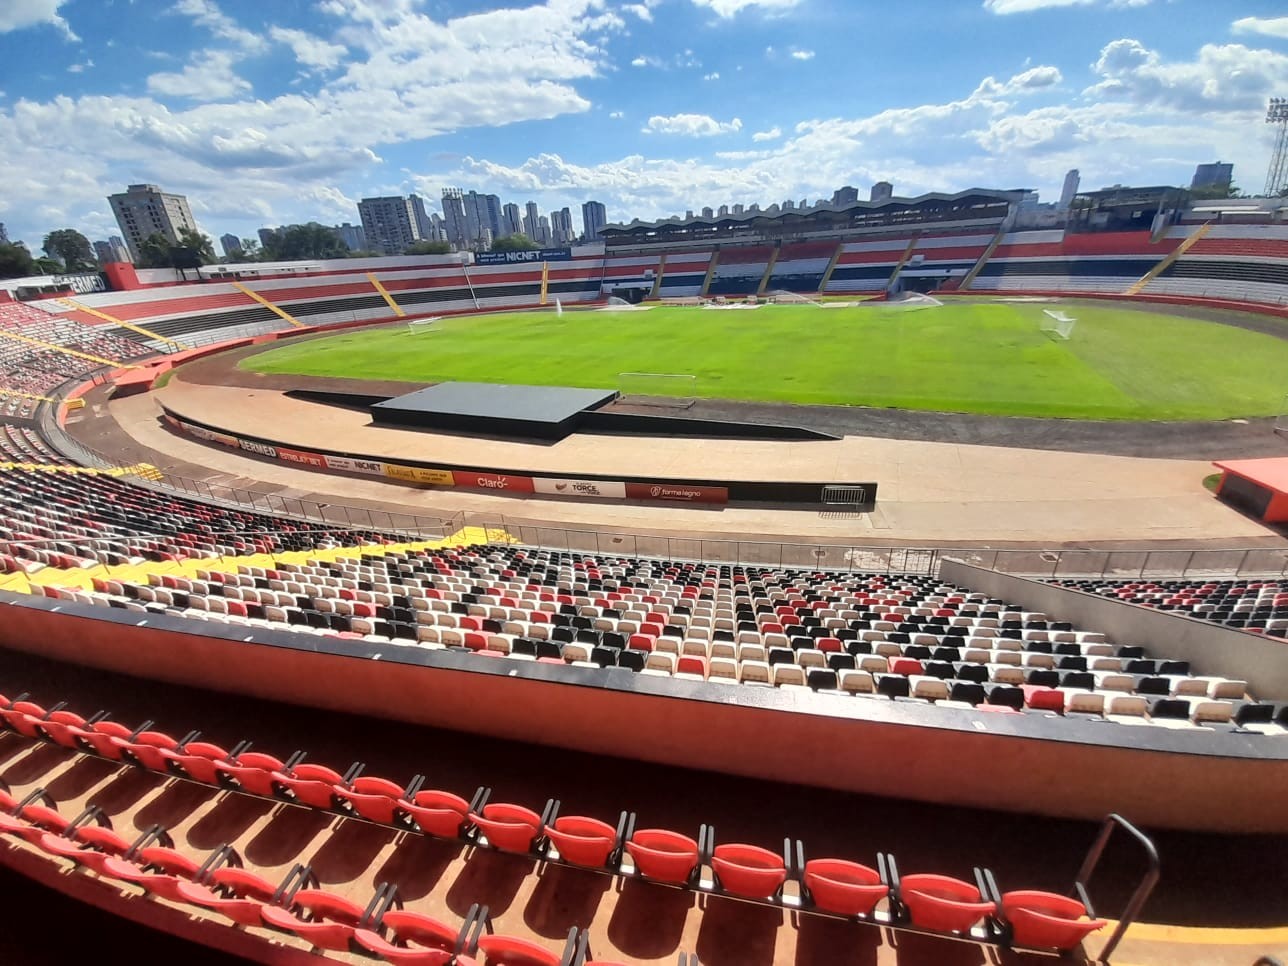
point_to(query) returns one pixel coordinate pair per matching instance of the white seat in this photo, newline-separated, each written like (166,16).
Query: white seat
(856,681)
(792,675)
(929,688)
(753,672)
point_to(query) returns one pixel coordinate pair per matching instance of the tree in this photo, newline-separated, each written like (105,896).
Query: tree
(362,253)
(296,242)
(518,242)
(1215,192)
(199,243)
(16,261)
(427,248)
(155,251)
(71,248)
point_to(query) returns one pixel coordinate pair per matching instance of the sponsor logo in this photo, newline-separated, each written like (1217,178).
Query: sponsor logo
(499,482)
(678,492)
(262,449)
(346,465)
(296,456)
(594,489)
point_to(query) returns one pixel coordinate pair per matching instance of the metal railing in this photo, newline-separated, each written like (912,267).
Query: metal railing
(1126,564)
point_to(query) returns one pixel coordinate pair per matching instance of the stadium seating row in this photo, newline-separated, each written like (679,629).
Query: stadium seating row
(827,886)
(1258,606)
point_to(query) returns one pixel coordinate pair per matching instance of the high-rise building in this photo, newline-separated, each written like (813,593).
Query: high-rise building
(844,196)
(454,217)
(723,212)
(231,245)
(389,224)
(103,252)
(753,208)
(594,216)
(531,220)
(1218,174)
(4,235)
(707,212)
(543,231)
(482,218)
(738,208)
(881,191)
(1070,189)
(352,236)
(688,215)
(420,214)
(268,236)
(789,205)
(511,219)
(561,230)
(144,209)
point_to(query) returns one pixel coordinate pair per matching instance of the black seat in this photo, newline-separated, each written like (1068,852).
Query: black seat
(893,686)
(968,691)
(821,680)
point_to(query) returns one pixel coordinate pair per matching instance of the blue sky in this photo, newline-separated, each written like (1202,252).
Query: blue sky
(277,111)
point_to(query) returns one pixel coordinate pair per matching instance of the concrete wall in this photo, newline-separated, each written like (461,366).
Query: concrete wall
(1023,763)
(1210,648)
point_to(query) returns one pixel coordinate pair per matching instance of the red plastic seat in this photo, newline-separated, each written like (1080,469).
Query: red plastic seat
(253,771)
(331,923)
(748,870)
(1046,920)
(197,760)
(437,813)
(846,888)
(581,840)
(236,893)
(91,845)
(942,903)
(691,664)
(156,868)
(62,727)
(1043,698)
(511,828)
(663,855)
(373,798)
(311,784)
(905,665)
(146,748)
(511,951)
(23,717)
(415,940)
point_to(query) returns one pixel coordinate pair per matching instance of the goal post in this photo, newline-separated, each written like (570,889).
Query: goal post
(668,390)
(422,326)
(1057,323)
(1281,421)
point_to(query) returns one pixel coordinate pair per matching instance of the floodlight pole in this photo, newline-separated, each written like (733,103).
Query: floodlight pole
(1277,175)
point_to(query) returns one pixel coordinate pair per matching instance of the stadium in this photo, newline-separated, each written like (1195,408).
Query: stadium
(875,537)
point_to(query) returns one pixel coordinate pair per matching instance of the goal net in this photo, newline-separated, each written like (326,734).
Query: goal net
(421,326)
(781,297)
(1058,324)
(1281,421)
(616,304)
(667,390)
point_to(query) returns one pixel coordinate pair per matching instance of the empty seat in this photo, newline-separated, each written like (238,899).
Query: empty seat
(663,855)
(748,870)
(845,888)
(1047,921)
(942,903)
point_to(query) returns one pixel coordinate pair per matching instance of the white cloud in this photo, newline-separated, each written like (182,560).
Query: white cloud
(211,78)
(616,115)
(1028,6)
(80,68)
(773,134)
(309,50)
(803,54)
(731,8)
(644,60)
(1224,77)
(714,75)
(1267,26)
(642,10)
(691,125)
(206,13)
(18,14)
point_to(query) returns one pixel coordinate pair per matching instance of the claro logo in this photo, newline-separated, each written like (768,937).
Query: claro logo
(493,482)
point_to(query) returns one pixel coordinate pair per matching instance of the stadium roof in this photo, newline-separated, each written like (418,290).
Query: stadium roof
(748,218)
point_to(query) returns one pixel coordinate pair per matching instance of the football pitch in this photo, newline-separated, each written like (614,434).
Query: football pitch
(979,357)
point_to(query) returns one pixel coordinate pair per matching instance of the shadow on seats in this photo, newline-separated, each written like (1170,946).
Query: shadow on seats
(489,878)
(80,778)
(226,822)
(286,835)
(349,851)
(822,941)
(648,921)
(732,932)
(42,760)
(418,864)
(175,804)
(564,898)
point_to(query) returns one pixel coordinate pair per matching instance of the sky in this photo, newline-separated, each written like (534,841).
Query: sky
(269,112)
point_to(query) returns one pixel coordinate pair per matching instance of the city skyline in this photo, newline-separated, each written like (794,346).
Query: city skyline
(286,113)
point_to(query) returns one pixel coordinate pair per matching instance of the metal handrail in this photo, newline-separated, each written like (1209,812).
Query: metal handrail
(1143,888)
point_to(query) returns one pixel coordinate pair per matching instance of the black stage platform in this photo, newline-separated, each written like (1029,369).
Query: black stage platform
(536,412)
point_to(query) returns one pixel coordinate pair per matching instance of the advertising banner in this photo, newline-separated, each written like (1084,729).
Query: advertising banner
(513,258)
(347,465)
(416,474)
(263,449)
(681,492)
(593,489)
(299,456)
(494,481)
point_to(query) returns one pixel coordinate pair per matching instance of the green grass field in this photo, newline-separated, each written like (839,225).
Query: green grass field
(979,357)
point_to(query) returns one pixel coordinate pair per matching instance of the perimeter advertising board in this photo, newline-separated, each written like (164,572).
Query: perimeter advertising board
(678,492)
(520,258)
(589,489)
